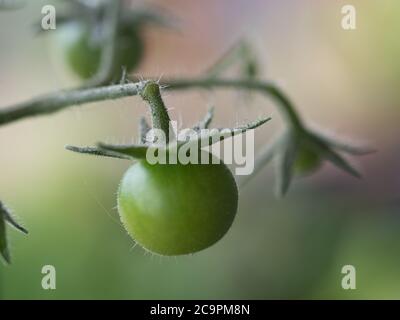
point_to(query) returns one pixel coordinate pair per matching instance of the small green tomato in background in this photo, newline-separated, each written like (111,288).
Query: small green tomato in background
(100,40)
(83,50)
(307,161)
(177,209)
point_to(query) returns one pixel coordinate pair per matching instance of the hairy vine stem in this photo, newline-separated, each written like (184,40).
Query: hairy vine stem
(159,114)
(57,101)
(268,88)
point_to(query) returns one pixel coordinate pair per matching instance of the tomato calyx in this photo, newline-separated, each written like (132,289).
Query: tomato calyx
(300,151)
(201,134)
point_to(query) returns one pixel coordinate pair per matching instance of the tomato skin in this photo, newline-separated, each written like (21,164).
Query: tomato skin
(83,55)
(175,209)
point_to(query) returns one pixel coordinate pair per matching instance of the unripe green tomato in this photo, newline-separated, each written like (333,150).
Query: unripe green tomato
(307,161)
(83,54)
(175,209)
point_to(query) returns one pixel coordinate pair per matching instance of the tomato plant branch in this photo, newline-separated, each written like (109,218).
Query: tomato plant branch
(268,88)
(6,216)
(60,100)
(57,101)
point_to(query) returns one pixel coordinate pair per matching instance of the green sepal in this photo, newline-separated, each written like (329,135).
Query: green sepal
(132,151)
(95,151)
(215,135)
(4,250)
(206,121)
(326,151)
(351,147)
(144,127)
(6,216)
(285,163)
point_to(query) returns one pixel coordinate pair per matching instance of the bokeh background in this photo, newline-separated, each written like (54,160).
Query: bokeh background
(342,81)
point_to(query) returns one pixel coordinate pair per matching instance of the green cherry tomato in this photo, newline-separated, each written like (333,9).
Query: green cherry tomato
(83,53)
(307,161)
(175,209)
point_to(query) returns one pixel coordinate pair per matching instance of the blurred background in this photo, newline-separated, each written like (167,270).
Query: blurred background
(342,81)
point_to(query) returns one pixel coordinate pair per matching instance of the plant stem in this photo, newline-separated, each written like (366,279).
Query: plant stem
(268,88)
(56,101)
(159,114)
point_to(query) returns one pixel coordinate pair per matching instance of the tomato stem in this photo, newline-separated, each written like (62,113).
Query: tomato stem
(159,114)
(284,104)
(56,101)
